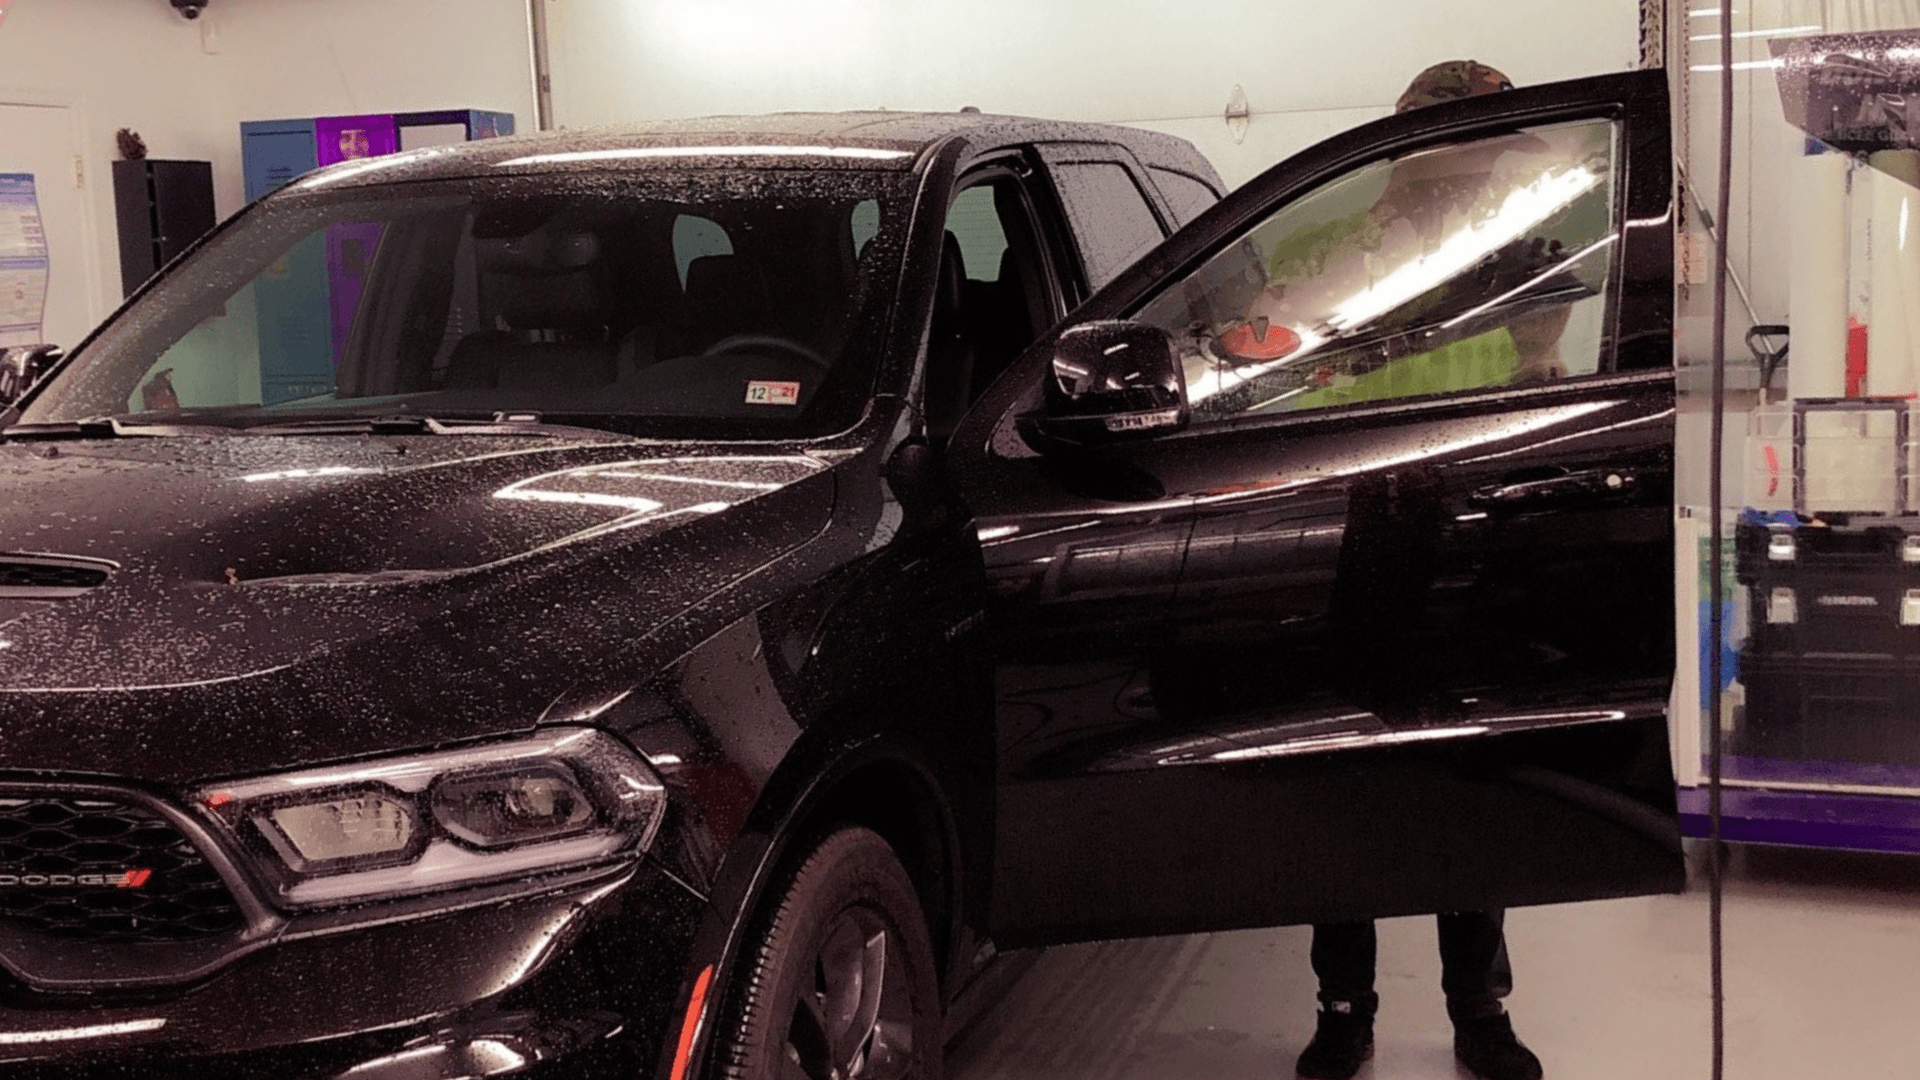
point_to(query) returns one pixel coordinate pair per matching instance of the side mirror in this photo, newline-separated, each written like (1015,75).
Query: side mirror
(21,366)
(1112,380)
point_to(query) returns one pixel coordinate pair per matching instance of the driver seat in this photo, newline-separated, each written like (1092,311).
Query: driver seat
(543,289)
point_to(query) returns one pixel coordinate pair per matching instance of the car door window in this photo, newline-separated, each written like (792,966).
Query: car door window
(1110,215)
(975,225)
(1463,267)
(996,292)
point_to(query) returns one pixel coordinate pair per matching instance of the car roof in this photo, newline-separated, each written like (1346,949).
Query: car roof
(882,139)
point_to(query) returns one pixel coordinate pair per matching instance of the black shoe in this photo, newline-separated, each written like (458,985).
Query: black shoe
(1489,1050)
(1341,1041)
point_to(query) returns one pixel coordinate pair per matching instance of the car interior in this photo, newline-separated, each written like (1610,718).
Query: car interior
(980,325)
(593,305)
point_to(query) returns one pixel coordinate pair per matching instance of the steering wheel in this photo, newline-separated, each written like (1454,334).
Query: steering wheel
(749,342)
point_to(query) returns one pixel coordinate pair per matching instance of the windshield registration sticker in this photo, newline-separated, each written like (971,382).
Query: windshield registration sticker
(772,393)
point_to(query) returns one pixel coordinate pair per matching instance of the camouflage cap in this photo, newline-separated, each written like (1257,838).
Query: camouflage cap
(1450,80)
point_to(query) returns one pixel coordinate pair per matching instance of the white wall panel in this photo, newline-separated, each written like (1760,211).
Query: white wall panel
(186,86)
(1309,68)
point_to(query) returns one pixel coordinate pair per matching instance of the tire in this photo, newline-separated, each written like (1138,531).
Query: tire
(844,919)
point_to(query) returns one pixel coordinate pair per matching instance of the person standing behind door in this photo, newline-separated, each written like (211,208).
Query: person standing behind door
(1475,972)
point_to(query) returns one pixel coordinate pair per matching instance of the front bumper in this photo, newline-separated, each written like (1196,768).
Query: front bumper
(579,978)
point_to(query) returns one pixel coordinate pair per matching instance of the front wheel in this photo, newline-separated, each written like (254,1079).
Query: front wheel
(840,984)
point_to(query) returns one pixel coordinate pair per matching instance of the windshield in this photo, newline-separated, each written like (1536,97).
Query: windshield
(697,304)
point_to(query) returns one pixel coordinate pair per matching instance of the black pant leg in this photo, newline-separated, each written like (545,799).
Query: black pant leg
(1474,970)
(1343,960)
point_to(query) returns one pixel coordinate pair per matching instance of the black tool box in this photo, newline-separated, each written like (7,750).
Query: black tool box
(1863,710)
(1826,592)
(1831,661)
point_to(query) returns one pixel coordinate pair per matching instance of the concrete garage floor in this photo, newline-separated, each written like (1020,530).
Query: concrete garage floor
(1822,980)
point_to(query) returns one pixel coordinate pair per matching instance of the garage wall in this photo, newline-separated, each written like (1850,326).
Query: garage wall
(1308,68)
(186,86)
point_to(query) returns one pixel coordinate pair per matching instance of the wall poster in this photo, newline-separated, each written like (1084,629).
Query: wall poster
(23,261)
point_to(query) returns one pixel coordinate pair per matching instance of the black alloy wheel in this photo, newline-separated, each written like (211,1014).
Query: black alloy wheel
(841,984)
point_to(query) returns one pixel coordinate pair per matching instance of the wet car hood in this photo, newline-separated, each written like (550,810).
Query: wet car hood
(341,575)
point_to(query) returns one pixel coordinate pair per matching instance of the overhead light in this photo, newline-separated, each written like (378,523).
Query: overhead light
(1744,65)
(1783,31)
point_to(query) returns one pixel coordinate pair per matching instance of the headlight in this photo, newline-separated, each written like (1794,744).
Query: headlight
(563,798)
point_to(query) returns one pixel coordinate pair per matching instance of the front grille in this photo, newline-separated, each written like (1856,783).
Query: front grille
(92,870)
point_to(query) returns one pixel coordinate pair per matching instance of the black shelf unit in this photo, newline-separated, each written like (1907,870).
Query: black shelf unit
(161,207)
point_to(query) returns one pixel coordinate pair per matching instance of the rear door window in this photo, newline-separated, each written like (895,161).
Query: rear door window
(1112,219)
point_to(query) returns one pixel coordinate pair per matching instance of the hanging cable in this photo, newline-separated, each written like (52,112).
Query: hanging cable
(1716,630)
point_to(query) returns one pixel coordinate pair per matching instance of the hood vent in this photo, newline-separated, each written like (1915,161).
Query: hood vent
(49,577)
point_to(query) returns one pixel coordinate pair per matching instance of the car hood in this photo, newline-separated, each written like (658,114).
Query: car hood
(361,579)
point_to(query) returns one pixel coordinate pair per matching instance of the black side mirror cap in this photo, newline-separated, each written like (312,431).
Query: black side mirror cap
(21,366)
(1111,381)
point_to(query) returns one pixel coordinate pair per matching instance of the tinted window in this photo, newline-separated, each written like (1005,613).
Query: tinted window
(1110,215)
(1188,196)
(1463,267)
(975,223)
(865,223)
(708,304)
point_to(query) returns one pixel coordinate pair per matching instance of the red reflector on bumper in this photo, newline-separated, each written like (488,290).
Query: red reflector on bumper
(690,1027)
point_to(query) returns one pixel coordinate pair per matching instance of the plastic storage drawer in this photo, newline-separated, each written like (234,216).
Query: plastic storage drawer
(1815,710)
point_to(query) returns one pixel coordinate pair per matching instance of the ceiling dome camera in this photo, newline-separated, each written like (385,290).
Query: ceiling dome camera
(189,8)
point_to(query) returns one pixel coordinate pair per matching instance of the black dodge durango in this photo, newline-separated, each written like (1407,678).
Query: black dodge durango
(681,602)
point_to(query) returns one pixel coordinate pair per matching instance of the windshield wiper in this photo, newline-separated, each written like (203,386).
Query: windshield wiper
(107,427)
(518,423)
(501,423)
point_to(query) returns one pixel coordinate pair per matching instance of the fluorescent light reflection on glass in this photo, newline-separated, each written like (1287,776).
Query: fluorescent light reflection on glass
(1784,31)
(1523,208)
(1744,65)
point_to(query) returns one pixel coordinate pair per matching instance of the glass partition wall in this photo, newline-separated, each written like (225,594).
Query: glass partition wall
(1821,596)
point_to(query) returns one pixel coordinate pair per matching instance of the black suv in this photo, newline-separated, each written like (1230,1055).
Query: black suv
(674,603)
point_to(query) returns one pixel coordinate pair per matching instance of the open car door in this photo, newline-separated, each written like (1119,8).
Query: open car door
(1331,543)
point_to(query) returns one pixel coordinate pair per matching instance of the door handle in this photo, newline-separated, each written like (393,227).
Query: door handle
(1553,492)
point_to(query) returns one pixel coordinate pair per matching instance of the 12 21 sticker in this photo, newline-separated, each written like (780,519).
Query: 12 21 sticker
(760,392)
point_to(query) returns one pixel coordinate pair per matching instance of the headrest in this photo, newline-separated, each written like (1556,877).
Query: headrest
(953,275)
(546,301)
(538,280)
